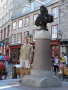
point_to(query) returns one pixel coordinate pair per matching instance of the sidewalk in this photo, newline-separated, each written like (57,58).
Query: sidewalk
(13,84)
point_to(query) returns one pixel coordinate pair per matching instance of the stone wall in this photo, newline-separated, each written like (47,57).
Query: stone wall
(64,18)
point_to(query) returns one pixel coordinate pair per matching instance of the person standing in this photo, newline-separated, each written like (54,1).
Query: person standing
(56,63)
(26,53)
(1,57)
(64,58)
(3,70)
(6,59)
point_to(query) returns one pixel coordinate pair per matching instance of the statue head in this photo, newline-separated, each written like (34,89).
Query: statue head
(43,9)
(43,18)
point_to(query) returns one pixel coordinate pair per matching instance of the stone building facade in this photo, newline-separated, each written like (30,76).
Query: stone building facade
(64,25)
(23,25)
(7,11)
(6,7)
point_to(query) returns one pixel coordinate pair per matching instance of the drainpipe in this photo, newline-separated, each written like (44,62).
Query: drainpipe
(59,32)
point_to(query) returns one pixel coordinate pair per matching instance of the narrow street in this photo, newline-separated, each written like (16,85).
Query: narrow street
(34,34)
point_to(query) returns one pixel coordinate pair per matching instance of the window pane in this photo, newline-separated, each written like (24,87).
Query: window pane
(20,23)
(35,16)
(8,31)
(19,38)
(27,21)
(26,34)
(4,32)
(13,39)
(55,12)
(14,25)
(54,31)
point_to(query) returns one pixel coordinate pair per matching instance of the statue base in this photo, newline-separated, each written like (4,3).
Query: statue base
(41,75)
(40,80)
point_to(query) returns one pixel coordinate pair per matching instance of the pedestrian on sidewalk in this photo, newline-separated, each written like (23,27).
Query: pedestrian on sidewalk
(64,58)
(6,59)
(3,70)
(56,64)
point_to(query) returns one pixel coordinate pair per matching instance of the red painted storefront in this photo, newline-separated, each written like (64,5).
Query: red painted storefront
(55,47)
(14,53)
(15,50)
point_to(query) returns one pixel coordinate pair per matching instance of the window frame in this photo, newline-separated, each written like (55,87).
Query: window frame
(52,11)
(15,26)
(25,34)
(52,31)
(20,37)
(4,32)
(18,23)
(34,17)
(1,34)
(14,38)
(26,25)
(33,33)
(8,31)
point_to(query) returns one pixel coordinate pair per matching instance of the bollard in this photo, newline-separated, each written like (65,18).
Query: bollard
(14,75)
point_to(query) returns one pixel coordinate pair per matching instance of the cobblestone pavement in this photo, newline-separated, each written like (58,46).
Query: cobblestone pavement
(14,84)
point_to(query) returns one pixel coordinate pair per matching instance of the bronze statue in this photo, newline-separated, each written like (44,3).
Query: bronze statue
(43,18)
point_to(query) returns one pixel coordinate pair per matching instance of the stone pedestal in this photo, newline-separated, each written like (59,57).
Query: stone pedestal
(41,75)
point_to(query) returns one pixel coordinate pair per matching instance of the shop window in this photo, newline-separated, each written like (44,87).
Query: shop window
(15,54)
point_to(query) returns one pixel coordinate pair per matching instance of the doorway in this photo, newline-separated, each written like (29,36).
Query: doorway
(55,50)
